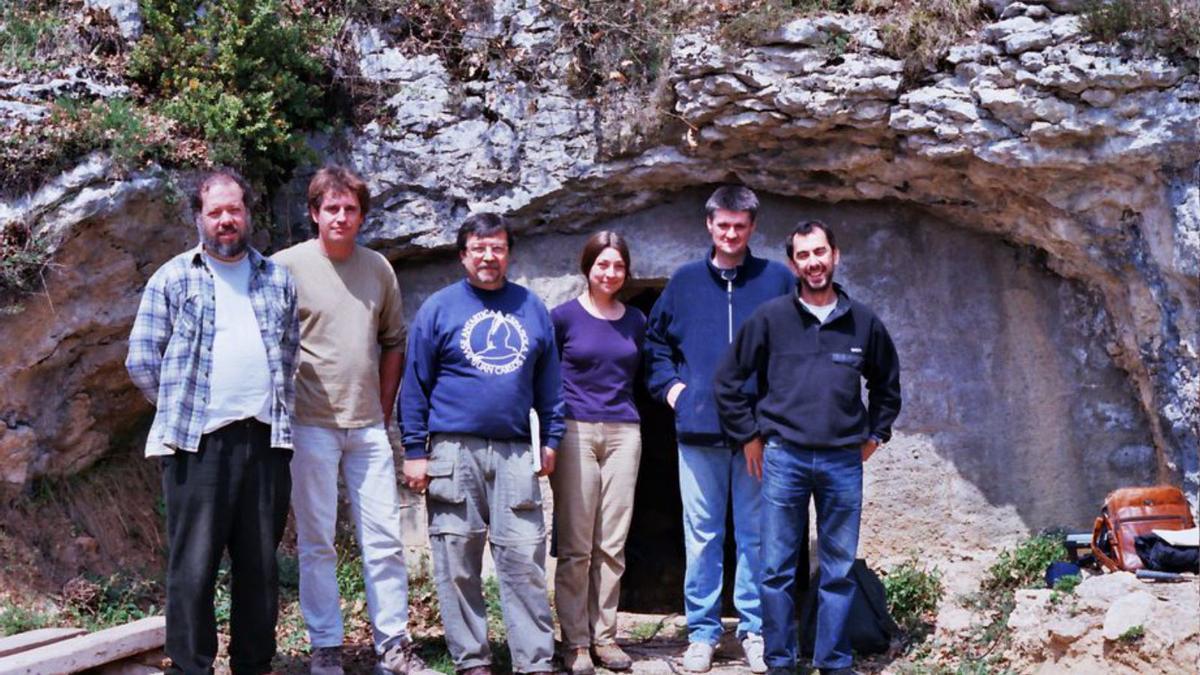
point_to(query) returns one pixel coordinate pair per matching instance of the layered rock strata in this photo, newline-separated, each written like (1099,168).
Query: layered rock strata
(1031,134)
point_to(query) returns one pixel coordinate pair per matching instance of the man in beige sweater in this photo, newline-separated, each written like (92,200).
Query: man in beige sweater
(352,339)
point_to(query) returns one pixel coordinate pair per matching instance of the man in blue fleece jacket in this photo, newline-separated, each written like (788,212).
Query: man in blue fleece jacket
(690,328)
(481,354)
(809,353)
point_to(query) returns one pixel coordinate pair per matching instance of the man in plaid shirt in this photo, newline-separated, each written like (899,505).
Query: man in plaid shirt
(213,347)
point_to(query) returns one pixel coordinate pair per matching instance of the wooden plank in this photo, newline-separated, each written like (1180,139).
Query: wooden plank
(89,651)
(36,638)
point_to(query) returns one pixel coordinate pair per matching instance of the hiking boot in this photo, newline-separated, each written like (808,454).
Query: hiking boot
(399,658)
(753,647)
(698,657)
(577,661)
(612,657)
(326,661)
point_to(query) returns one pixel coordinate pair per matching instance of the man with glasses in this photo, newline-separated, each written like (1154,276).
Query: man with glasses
(481,354)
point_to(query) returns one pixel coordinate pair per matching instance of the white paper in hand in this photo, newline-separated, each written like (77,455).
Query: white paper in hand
(535,441)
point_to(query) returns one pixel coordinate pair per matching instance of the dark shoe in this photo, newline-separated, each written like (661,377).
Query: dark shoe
(612,657)
(577,661)
(781,671)
(477,670)
(839,671)
(326,661)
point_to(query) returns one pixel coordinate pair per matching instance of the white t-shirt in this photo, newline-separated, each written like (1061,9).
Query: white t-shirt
(239,385)
(822,312)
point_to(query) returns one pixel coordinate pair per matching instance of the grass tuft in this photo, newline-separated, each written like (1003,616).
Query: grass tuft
(913,593)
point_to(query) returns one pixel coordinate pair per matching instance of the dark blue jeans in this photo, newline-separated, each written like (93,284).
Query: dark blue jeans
(833,478)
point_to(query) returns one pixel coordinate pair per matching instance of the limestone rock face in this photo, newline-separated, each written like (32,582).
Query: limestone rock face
(1086,162)
(1113,623)
(66,399)
(126,13)
(1032,133)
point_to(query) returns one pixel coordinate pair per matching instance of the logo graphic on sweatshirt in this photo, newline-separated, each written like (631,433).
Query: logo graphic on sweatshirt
(494,342)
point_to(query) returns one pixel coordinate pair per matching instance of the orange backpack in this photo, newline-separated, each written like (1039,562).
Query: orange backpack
(1130,512)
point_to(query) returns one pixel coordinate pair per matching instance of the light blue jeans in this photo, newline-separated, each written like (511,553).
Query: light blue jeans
(365,459)
(708,477)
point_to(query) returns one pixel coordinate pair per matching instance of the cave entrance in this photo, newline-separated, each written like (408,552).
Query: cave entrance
(654,559)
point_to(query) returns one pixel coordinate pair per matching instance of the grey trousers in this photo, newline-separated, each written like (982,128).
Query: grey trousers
(487,488)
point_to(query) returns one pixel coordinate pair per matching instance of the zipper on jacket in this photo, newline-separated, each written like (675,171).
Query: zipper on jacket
(729,296)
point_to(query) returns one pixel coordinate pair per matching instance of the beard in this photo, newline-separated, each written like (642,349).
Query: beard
(228,249)
(804,283)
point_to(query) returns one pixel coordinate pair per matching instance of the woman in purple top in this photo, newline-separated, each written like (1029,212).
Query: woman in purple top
(600,341)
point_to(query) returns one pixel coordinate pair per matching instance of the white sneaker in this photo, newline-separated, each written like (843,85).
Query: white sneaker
(698,657)
(752,645)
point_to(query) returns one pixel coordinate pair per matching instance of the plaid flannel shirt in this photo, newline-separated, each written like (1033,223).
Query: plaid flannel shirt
(170,347)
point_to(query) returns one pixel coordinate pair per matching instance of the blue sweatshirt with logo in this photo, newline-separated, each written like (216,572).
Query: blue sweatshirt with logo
(692,325)
(477,361)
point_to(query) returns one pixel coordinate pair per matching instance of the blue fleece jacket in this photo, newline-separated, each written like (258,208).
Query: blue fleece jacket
(477,362)
(690,328)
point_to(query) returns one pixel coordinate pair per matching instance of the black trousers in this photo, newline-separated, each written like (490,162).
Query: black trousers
(231,495)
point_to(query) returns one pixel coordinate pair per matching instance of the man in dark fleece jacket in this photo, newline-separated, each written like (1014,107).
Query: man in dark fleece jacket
(689,329)
(808,352)
(481,354)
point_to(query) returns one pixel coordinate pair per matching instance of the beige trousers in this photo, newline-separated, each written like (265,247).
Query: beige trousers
(593,481)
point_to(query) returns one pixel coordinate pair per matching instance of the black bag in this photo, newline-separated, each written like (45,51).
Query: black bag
(1159,556)
(870,627)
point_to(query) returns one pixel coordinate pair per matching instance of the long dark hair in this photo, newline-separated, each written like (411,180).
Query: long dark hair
(596,244)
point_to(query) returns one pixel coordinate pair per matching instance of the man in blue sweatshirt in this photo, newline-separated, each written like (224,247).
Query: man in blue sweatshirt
(690,328)
(809,353)
(481,354)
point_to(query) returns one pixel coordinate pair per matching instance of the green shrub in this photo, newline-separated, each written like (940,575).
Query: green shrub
(237,73)
(1133,634)
(1025,565)
(22,259)
(1169,27)
(497,631)
(1063,587)
(96,603)
(132,136)
(29,31)
(913,593)
(351,585)
(18,619)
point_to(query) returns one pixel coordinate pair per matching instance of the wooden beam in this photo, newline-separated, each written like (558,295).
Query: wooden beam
(36,638)
(89,651)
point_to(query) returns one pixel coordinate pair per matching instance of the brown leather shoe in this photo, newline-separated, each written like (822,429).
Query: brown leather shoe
(577,661)
(612,657)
